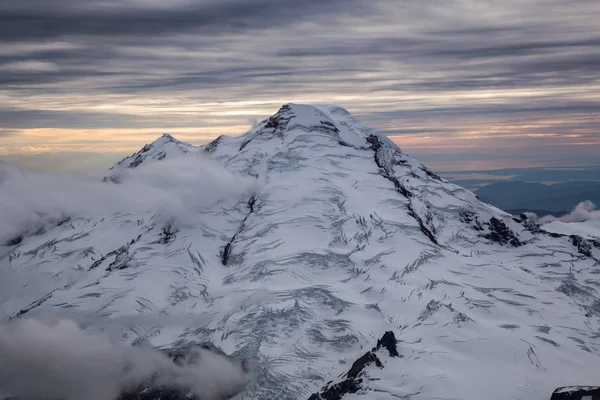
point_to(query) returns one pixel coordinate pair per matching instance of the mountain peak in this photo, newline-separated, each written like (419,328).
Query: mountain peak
(323,123)
(163,147)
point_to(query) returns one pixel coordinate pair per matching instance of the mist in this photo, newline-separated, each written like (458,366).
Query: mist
(173,189)
(54,359)
(583,211)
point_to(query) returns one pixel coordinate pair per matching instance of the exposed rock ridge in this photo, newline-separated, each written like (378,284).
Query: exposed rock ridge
(353,379)
(385,159)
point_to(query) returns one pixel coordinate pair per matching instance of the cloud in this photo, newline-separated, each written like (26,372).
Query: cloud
(54,358)
(35,20)
(22,118)
(454,63)
(253,122)
(8,132)
(584,211)
(29,66)
(61,161)
(172,190)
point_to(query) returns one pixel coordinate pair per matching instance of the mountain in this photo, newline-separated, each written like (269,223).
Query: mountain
(555,198)
(349,269)
(161,148)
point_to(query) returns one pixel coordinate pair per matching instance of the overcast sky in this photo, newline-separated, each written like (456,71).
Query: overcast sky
(510,82)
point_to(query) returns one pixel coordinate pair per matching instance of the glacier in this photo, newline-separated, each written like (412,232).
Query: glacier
(324,237)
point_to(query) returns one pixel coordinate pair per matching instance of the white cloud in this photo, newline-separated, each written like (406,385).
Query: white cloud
(29,66)
(174,189)
(53,358)
(584,211)
(253,122)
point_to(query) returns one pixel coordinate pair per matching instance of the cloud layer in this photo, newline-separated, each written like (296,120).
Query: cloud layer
(172,189)
(584,211)
(51,358)
(449,74)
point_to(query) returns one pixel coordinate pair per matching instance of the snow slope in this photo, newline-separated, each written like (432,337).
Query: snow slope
(343,238)
(588,229)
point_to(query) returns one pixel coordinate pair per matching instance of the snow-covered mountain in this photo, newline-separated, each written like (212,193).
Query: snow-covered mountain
(161,148)
(341,239)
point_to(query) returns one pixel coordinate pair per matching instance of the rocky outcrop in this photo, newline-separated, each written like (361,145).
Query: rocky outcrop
(385,158)
(226,252)
(584,247)
(500,233)
(353,379)
(576,393)
(275,126)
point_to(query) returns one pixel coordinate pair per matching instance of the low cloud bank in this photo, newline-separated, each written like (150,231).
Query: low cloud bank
(54,359)
(583,211)
(175,188)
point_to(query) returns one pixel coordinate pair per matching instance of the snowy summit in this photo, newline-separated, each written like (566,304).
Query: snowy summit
(336,267)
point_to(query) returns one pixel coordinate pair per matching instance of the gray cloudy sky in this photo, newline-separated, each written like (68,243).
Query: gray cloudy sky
(503,82)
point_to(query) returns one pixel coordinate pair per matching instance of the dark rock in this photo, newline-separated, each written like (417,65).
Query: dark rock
(274,126)
(354,377)
(375,142)
(138,160)
(63,221)
(122,259)
(113,178)
(14,241)
(527,223)
(33,305)
(388,340)
(146,148)
(167,235)
(576,393)
(226,252)
(584,247)
(500,233)
(383,161)
(531,226)
(431,174)
(469,217)
(330,126)
(552,234)
(212,146)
